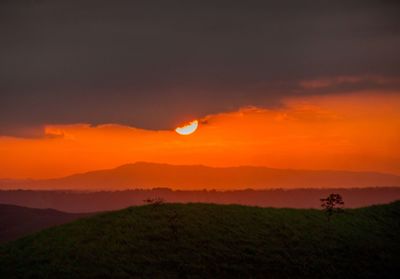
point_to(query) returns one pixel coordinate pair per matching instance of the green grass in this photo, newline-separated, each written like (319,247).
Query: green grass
(213,241)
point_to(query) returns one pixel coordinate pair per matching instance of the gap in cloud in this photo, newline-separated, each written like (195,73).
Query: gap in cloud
(348,132)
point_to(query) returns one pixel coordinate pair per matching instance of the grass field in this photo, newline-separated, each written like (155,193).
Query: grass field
(213,241)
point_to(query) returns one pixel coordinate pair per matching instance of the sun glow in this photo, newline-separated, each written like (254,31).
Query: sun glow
(355,132)
(188,129)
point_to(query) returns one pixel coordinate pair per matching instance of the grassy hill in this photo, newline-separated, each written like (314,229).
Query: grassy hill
(213,241)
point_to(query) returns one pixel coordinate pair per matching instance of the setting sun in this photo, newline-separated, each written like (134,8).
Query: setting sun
(188,129)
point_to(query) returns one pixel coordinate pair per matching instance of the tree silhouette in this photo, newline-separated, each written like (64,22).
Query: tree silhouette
(154,201)
(332,204)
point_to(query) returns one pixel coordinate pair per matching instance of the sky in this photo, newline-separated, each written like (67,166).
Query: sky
(287,84)
(357,132)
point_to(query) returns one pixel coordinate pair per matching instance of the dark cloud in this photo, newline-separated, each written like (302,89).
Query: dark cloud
(156,63)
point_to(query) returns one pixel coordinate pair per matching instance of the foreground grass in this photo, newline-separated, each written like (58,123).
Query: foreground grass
(213,241)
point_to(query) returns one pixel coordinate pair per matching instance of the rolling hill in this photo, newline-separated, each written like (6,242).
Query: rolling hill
(213,241)
(150,175)
(17,221)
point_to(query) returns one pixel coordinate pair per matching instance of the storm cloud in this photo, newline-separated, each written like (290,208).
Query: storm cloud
(153,64)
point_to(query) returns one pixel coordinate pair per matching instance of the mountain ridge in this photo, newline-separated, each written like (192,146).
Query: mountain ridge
(148,175)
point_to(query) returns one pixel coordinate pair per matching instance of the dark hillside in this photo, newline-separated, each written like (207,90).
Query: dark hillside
(213,241)
(17,221)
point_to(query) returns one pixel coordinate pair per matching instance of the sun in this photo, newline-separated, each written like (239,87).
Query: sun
(188,129)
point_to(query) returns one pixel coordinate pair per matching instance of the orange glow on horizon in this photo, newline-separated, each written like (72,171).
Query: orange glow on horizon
(356,132)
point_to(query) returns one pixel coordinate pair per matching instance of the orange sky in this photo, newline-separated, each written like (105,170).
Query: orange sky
(348,132)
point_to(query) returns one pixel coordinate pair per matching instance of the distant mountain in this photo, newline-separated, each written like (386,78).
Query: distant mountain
(149,175)
(17,221)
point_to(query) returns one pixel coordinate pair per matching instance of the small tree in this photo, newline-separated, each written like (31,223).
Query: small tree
(154,201)
(332,204)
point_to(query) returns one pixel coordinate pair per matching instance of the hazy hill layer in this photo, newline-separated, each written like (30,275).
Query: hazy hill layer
(78,201)
(213,241)
(16,221)
(149,175)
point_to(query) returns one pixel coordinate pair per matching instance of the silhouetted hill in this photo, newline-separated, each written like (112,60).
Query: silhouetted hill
(76,201)
(213,241)
(16,221)
(149,175)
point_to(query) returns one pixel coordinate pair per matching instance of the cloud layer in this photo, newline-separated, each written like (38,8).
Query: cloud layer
(155,64)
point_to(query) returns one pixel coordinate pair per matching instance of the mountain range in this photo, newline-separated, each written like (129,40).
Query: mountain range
(149,175)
